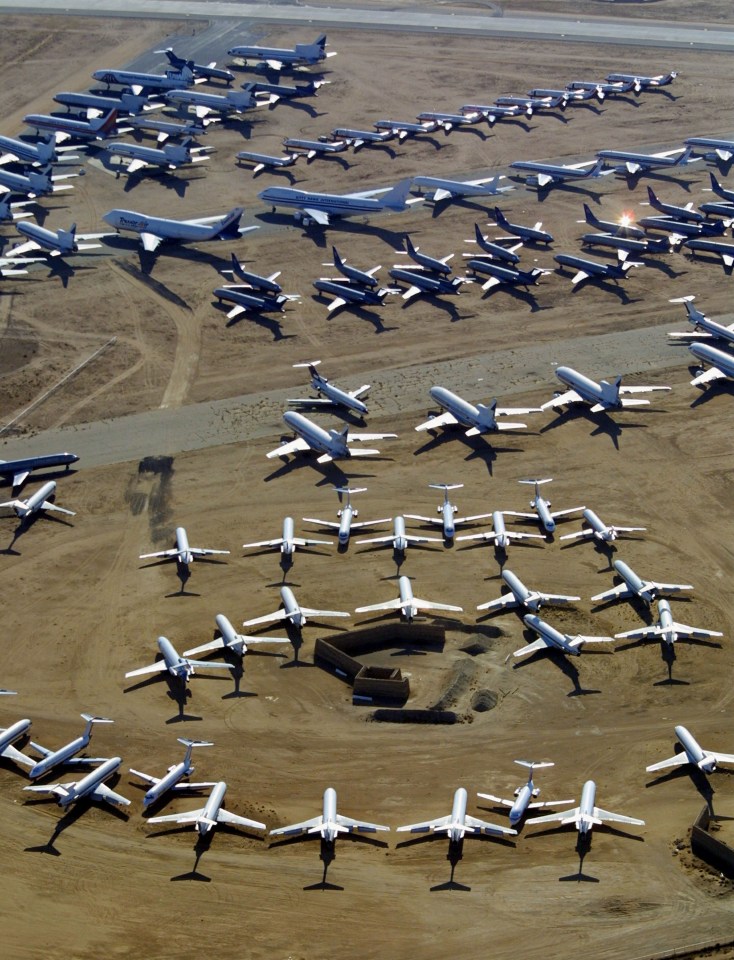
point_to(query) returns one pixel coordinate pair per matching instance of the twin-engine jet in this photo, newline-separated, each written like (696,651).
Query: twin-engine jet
(447,511)
(171,156)
(693,753)
(666,629)
(182,553)
(346,522)
(329,824)
(399,539)
(331,395)
(171,779)
(67,754)
(181,668)
(480,419)
(57,243)
(92,785)
(230,640)
(458,823)
(288,541)
(551,639)
(602,396)
(586,815)
(293,611)
(406,604)
(276,58)
(634,586)
(332,445)
(598,530)
(521,596)
(206,818)
(500,535)
(524,795)
(41,499)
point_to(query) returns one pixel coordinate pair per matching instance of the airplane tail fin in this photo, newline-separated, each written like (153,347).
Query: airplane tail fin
(683,158)
(46,148)
(501,219)
(610,391)
(652,198)
(105,123)
(229,226)
(395,199)
(487,414)
(591,217)
(716,186)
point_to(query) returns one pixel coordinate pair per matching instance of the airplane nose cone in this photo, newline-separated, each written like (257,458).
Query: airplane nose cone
(550,526)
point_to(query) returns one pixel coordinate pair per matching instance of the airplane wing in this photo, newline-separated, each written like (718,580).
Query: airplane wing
(621,590)
(306,542)
(268,618)
(388,539)
(150,241)
(641,389)
(361,825)
(565,816)
(145,776)
(291,447)
(426,825)
(616,817)
(549,803)
(683,630)
(365,452)
(296,828)
(492,829)
(557,598)
(274,64)
(12,753)
(22,248)
(318,215)
(720,757)
(677,761)
(335,304)
(416,516)
(210,665)
(103,792)
(533,647)
(442,420)
(217,644)
(173,552)
(191,817)
(387,605)
(489,535)
(205,551)
(48,505)
(516,535)
(570,396)
(158,667)
(412,538)
(264,543)
(544,179)
(430,605)
(475,431)
(311,612)
(500,800)
(412,292)
(501,603)
(632,167)
(201,111)
(236,311)
(668,587)
(580,639)
(713,373)
(581,275)
(578,535)
(360,391)
(224,816)
(136,164)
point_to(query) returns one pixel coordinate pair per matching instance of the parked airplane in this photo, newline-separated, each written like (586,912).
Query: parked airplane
(284,91)
(588,269)
(500,535)
(423,260)
(532,104)
(15,210)
(233,101)
(522,596)
(721,363)
(447,511)
(329,825)
(206,818)
(624,227)
(19,469)
(154,230)
(68,753)
(551,639)
(166,128)
(723,149)
(171,779)
(182,553)
(672,210)
(276,57)
(432,285)
(627,245)
(38,154)
(267,284)
(181,668)
(527,234)
(291,610)
(544,174)
(34,183)
(542,513)
(600,89)
(264,161)
(41,499)
(480,419)
(365,278)
(345,294)
(509,275)
(315,148)
(523,800)
(724,250)
(9,735)
(693,753)
(92,785)
(493,250)
(288,542)
(171,156)
(634,586)
(407,604)
(706,228)
(331,395)
(493,112)
(333,445)
(586,815)
(642,83)
(360,138)
(204,71)
(458,823)
(715,209)
(318,207)
(570,93)
(346,516)
(57,242)
(245,300)
(66,127)
(666,629)
(402,129)
(602,395)
(632,164)
(95,106)
(399,540)
(598,530)
(138,82)
(229,639)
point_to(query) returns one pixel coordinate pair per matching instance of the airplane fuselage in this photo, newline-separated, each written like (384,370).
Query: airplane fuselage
(34,503)
(169,229)
(249,299)
(222,103)
(315,436)
(14,732)
(466,413)
(36,153)
(87,784)
(291,607)
(58,756)
(370,298)
(587,389)
(166,782)
(232,640)
(600,530)
(329,826)
(329,203)
(634,583)
(717,358)
(208,818)
(338,396)
(25,465)
(458,828)
(426,283)
(693,750)
(129,78)
(586,807)
(520,592)
(553,637)
(185,556)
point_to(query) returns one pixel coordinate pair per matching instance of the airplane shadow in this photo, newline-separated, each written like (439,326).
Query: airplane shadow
(697,777)
(438,206)
(710,391)
(524,296)
(561,661)
(454,856)
(256,318)
(362,313)
(200,848)
(583,846)
(68,818)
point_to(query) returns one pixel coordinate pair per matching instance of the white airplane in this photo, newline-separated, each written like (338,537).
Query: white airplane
(333,445)
(500,535)
(447,511)
(172,777)
(291,610)
(407,604)
(458,823)
(33,183)
(57,242)
(92,786)
(346,516)
(522,596)
(233,101)
(207,817)
(544,174)
(549,638)
(632,164)
(542,513)
(18,470)
(288,542)
(692,752)
(721,363)
(40,500)
(329,394)
(9,735)
(586,815)
(329,824)
(666,629)
(229,639)
(278,57)
(318,207)
(154,230)
(634,586)
(444,189)
(177,666)
(182,553)
(703,327)
(36,154)
(481,418)
(141,81)
(598,530)
(523,800)
(399,539)
(602,396)
(67,753)
(171,156)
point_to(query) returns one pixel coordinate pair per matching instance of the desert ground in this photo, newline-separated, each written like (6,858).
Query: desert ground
(81,609)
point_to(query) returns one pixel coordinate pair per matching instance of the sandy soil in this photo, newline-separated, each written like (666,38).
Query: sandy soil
(82,610)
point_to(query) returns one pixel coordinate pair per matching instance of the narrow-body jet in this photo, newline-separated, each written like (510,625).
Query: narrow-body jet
(480,419)
(41,499)
(666,629)
(542,175)
(331,444)
(720,364)
(601,396)
(8,737)
(551,639)
(458,823)
(596,529)
(593,269)
(64,128)
(693,753)
(230,640)
(276,58)
(447,512)
(182,553)
(525,794)
(171,156)
(180,668)
(500,535)
(293,611)
(173,777)
(233,101)
(634,586)
(329,824)
(206,818)
(67,754)
(408,605)
(93,785)
(19,469)
(543,513)
(586,815)
(399,539)
(521,596)
(288,541)
(331,395)
(346,514)
(527,234)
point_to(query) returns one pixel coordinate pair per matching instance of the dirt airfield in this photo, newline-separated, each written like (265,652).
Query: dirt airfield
(81,609)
